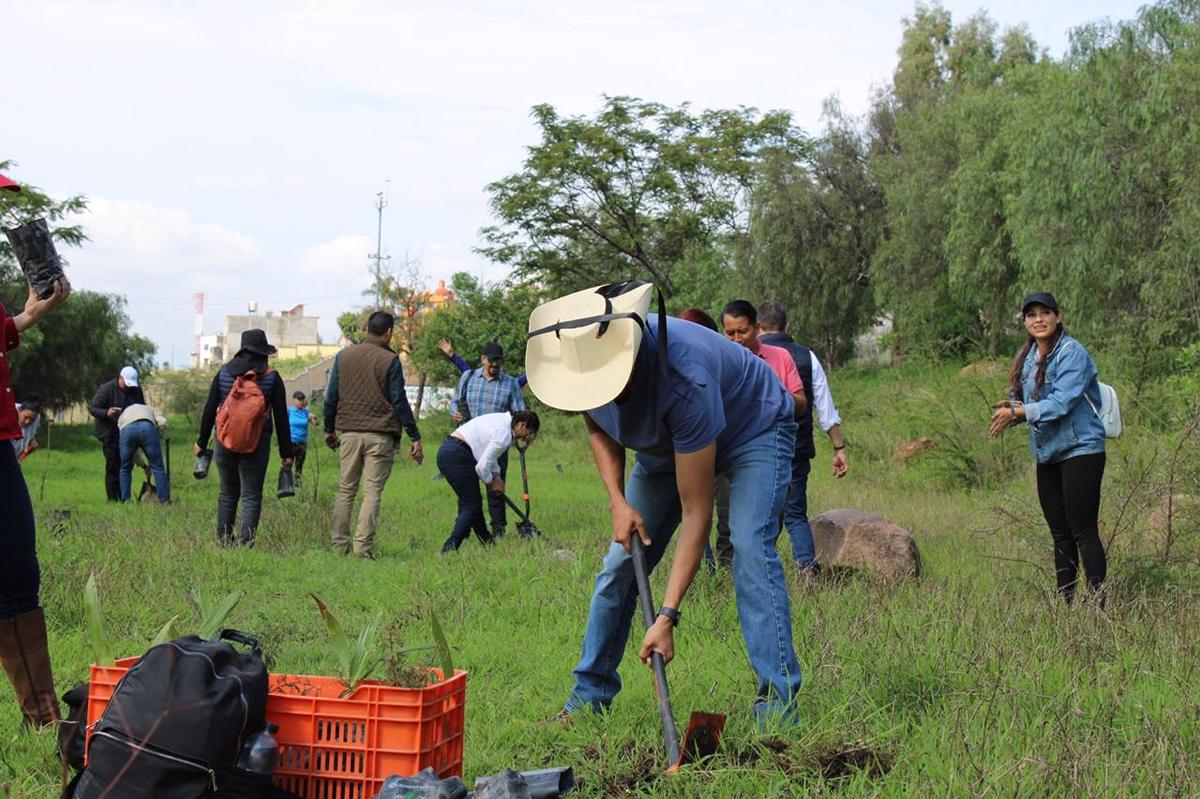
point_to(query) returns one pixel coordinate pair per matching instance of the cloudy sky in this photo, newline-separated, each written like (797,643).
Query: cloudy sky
(236,148)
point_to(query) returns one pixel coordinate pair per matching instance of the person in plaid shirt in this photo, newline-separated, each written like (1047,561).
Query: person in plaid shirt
(488,389)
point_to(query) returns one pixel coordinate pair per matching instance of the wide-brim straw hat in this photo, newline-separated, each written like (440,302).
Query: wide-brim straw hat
(582,347)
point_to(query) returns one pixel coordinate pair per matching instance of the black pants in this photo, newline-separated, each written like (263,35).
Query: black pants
(242,478)
(1069,492)
(20,576)
(496,507)
(457,464)
(112,466)
(299,453)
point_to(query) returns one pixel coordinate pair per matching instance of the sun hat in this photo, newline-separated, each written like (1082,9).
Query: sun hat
(1039,298)
(130,376)
(255,340)
(582,347)
(9,183)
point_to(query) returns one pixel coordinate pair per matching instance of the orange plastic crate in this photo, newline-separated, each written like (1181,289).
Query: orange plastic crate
(334,748)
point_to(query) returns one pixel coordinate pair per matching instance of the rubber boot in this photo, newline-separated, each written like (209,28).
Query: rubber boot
(25,654)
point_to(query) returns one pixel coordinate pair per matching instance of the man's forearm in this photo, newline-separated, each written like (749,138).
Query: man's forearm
(835,436)
(689,549)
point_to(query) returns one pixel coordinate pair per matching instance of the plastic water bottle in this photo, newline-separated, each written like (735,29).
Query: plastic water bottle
(260,752)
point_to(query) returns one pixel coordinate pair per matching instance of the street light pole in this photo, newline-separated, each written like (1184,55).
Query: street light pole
(379,257)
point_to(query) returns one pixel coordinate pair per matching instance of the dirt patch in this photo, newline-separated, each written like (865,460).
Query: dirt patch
(844,762)
(645,768)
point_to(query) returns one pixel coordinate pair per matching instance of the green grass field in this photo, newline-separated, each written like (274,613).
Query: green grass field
(972,681)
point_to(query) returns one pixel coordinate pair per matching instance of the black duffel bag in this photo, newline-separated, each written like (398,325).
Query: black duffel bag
(176,724)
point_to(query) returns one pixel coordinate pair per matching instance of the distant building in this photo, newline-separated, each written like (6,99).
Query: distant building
(293,334)
(439,298)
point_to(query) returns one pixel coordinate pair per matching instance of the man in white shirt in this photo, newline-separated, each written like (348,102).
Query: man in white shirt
(139,427)
(471,455)
(772,325)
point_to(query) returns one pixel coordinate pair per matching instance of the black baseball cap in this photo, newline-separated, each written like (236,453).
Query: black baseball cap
(298,395)
(493,352)
(1039,298)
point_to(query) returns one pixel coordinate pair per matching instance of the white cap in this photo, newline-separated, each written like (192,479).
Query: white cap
(129,375)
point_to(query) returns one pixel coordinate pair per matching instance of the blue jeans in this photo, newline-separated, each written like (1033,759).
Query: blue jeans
(241,476)
(759,472)
(795,514)
(144,436)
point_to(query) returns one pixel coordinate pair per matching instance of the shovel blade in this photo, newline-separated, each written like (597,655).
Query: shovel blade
(701,739)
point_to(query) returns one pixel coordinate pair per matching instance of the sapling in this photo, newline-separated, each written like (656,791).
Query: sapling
(213,612)
(102,651)
(359,658)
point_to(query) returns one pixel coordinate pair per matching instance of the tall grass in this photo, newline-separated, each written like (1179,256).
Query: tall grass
(973,681)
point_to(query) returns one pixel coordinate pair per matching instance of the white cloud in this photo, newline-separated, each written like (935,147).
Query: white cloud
(344,257)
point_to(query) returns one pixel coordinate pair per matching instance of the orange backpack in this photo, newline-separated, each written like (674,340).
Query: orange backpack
(243,414)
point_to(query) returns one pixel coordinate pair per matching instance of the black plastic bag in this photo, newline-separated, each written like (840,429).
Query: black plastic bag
(286,486)
(34,249)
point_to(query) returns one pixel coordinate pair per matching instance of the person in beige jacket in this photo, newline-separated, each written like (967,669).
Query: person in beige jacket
(140,427)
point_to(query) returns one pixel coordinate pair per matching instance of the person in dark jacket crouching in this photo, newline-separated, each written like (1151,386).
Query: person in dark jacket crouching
(243,468)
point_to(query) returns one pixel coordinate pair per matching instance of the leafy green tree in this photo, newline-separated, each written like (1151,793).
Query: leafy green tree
(84,343)
(815,222)
(17,208)
(481,313)
(639,190)
(87,339)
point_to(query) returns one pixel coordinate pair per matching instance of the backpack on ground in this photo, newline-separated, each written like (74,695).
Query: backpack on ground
(243,414)
(1109,411)
(177,722)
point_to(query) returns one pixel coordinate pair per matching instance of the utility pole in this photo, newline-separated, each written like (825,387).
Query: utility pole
(379,257)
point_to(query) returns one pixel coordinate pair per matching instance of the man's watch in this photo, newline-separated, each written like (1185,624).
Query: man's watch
(671,613)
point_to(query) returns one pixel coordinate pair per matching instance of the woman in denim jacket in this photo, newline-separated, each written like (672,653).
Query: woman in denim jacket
(1053,388)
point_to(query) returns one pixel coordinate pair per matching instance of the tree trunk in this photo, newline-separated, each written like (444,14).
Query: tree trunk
(420,395)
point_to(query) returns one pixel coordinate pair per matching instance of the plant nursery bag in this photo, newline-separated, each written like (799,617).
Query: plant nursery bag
(177,722)
(34,248)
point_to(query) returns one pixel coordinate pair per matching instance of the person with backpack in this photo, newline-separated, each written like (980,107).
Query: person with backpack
(245,397)
(489,389)
(24,648)
(1054,388)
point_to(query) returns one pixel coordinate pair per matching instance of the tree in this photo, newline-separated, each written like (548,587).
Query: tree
(637,191)
(84,343)
(481,313)
(29,204)
(86,340)
(814,225)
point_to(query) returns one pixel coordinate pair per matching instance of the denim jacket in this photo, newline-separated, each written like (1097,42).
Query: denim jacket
(1062,423)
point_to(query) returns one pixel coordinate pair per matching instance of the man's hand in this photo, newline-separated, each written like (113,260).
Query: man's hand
(659,638)
(196,449)
(625,520)
(36,308)
(457,416)
(444,346)
(496,485)
(417,453)
(841,464)
(287,463)
(332,440)
(113,413)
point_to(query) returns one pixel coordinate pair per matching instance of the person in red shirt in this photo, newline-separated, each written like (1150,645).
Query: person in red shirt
(23,647)
(739,319)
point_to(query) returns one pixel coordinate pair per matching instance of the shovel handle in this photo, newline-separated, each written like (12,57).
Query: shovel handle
(670,731)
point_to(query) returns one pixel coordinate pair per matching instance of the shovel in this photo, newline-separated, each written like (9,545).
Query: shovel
(703,732)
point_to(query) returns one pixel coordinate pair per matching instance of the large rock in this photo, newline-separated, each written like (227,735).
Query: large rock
(858,539)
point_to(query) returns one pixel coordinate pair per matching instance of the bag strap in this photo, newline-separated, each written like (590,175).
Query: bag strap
(240,638)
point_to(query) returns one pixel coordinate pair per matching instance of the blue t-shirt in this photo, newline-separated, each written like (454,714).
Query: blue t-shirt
(716,390)
(298,419)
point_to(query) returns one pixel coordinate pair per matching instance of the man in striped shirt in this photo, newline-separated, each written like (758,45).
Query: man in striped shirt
(488,389)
